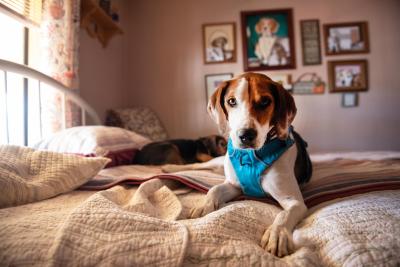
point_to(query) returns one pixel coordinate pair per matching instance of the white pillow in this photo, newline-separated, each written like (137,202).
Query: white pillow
(93,140)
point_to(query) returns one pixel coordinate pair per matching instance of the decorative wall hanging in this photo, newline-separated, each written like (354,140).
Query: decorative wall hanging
(213,80)
(349,100)
(219,43)
(308,83)
(346,38)
(348,75)
(310,40)
(268,40)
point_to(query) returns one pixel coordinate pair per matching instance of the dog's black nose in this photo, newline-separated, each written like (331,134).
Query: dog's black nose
(247,136)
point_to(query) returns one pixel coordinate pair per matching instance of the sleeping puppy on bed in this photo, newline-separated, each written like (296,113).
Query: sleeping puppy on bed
(181,151)
(265,156)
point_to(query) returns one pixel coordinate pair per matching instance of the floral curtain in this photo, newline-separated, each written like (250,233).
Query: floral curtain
(60,44)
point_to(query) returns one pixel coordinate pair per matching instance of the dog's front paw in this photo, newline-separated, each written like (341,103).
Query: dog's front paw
(277,240)
(168,168)
(207,208)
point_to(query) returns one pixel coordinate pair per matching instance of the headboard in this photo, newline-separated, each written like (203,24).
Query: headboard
(8,68)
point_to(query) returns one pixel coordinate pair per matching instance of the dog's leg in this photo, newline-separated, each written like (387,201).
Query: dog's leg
(214,164)
(277,239)
(217,195)
(280,182)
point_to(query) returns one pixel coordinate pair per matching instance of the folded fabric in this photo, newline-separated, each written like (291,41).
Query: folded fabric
(28,175)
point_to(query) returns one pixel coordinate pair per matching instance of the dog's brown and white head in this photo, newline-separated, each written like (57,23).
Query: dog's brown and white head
(267,27)
(249,106)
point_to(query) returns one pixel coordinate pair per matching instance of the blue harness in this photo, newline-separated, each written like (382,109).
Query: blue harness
(249,164)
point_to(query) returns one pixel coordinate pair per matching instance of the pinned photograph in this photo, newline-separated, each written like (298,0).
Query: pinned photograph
(219,43)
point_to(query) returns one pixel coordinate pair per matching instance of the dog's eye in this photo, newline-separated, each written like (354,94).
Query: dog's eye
(263,103)
(232,102)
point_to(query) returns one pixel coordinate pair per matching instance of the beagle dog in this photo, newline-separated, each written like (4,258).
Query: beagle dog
(268,48)
(265,155)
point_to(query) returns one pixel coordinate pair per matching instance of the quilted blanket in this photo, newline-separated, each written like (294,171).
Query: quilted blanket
(148,226)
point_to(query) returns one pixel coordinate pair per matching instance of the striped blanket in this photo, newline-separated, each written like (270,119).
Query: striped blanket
(331,179)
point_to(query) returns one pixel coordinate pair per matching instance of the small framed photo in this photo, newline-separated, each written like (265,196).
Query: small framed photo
(219,43)
(349,100)
(311,43)
(348,75)
(283,78)
(213,80)
(268,40)
(346,38)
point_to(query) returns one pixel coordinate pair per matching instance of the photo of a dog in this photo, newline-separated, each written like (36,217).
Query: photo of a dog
(268,39)
(270,49)
(348,76)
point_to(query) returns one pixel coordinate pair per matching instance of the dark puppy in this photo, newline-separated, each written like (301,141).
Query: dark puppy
(181,151)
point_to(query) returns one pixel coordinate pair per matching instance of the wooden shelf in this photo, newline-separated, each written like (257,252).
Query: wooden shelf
(97,23)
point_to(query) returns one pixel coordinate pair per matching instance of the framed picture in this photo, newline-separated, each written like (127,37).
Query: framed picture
(219,43)
(282,78)
(268,40)
(346,38)
(213,80)
(311,43)
(348,75)
(349,100)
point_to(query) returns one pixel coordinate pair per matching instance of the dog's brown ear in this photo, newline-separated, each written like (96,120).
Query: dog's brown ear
(216,107)
(285,110)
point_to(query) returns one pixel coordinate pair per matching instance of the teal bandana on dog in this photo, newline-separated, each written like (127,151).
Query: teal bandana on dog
(249,164)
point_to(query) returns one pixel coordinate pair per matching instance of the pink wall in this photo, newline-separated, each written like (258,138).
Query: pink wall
(163,68)
(101,70)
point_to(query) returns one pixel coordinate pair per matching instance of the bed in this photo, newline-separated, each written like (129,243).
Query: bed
(63,209)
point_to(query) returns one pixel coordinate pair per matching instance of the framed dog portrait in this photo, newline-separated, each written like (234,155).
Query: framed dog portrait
(346,38)
(268,40)
(348,75)
(219,43)
(213,80)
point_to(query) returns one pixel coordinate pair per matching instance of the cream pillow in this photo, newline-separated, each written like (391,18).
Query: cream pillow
(27,175)
(115,143)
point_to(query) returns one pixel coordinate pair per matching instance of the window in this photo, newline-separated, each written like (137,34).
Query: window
(19,44)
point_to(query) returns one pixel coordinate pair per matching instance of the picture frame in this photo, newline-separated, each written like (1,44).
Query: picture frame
(349,100)
(346,38)
(213,80)
(310,42)
(285,79)
(348,75)
(268,40)
(219,42)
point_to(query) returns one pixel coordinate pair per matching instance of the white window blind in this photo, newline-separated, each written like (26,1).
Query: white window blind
(28,10)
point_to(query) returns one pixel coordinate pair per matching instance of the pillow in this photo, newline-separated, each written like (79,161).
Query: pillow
(27,175)
(115,143)
(142,120)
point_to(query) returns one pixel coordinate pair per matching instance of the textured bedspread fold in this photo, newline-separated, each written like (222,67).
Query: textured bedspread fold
(28,175)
